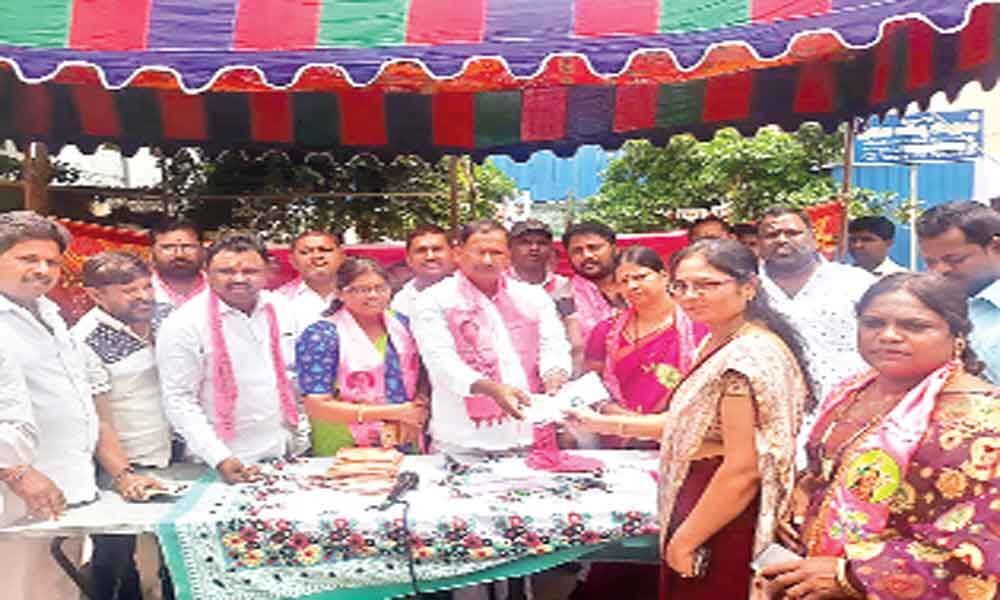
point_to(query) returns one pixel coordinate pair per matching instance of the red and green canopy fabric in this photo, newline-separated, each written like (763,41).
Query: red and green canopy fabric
(477,77)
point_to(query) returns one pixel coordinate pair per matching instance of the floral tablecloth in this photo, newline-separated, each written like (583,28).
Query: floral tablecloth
(291,535)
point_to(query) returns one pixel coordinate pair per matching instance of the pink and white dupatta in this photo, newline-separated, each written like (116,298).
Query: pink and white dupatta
(474,335)
(360,361)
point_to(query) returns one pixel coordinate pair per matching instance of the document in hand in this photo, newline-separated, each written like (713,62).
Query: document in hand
(584,391)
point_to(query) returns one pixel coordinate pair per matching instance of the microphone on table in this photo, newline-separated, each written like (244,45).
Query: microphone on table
(406,481)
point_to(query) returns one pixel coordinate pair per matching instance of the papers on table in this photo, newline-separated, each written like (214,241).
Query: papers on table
(585,391)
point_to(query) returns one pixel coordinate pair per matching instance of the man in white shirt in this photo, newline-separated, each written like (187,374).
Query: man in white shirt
(868,242)
(117,336)
(177,254)
(225,359)
(49,428)
(818,297)
(487,341)
(429,254)
(316,256)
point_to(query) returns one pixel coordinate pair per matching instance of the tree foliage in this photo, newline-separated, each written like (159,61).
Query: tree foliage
(189,176)
(645,185)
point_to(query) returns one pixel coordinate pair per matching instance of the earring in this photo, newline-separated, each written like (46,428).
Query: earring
(960,346)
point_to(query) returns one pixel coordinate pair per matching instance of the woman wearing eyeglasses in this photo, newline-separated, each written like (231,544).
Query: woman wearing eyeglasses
(728,439)
(643,351)
(366,396)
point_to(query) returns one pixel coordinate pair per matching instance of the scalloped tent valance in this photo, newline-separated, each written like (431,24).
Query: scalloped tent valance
(479,77)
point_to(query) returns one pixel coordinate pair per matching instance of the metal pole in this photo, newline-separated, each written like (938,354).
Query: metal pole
(914,204)
(453,184)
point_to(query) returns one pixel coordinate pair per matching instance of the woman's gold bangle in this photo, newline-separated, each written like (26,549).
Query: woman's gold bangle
(621,429)
(361,414)
(844,583)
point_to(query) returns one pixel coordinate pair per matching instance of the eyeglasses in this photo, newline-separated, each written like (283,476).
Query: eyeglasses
(697,288)
(368,290)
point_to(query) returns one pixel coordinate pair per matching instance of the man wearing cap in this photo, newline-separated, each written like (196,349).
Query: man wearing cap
(531,254)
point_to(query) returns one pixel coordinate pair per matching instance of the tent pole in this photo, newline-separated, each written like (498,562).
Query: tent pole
(845,188)
(35,178)
(453,185)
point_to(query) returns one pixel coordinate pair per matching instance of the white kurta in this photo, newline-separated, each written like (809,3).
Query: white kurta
(185,354)
(451,379)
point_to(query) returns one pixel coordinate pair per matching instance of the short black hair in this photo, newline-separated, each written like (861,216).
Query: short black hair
(589,228)
(710,219)
(977,222)
(481,226)
(25,225)
(745,229)
(168,224)
(237,241)
(113,268)
(333,235)
(426,229)
(878,226)
(780,211)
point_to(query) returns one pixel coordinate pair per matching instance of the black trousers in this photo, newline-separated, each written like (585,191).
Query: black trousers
(113,573)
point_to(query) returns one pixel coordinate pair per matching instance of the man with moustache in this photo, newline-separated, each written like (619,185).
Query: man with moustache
(177,255)
(117,337)
(49,428)
(961,240)
(592,254)
(817,296)
(316,256)
(487,341)
(429,254)
(225,360)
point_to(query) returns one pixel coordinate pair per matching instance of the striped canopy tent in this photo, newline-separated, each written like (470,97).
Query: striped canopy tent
(479,77)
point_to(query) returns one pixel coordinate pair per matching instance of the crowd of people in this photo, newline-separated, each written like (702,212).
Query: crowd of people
(844,412)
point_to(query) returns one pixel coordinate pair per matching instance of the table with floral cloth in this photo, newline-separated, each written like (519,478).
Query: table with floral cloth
(293,535)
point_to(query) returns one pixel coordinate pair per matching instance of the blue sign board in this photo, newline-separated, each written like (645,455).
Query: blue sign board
(921,137)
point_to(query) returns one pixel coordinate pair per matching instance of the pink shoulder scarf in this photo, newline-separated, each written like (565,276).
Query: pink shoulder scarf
(225,389)
(591,305)
(473,333)
(361,370)
(856,505)
(687,342)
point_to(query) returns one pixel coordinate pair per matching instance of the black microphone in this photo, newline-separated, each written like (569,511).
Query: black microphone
(405,482)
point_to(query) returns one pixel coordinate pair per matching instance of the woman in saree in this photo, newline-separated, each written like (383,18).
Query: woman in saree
(727,441)
(358,368)
(642,352)
(901,498)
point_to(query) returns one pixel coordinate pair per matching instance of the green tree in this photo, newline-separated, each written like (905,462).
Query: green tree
(644,187)
(190,176)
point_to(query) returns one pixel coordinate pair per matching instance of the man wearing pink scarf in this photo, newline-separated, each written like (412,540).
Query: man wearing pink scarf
(592,252)
(487,341)
(224,360)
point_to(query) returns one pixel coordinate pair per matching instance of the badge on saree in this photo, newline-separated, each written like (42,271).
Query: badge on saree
(873,477)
